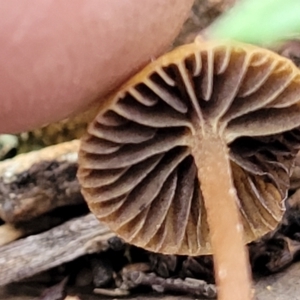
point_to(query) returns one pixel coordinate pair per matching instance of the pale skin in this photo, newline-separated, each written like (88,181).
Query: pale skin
(57,57)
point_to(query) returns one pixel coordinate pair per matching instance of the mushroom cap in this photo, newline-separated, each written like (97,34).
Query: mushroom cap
(136,164)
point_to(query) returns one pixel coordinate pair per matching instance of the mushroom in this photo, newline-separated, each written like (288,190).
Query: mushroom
(193,155)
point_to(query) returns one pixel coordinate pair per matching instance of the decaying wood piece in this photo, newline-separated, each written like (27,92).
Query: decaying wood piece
(191,286)
(272,253)
(40,189)
(63,152)
(111,292)
(9,233)
(35,183)
(34,254)
(72,298)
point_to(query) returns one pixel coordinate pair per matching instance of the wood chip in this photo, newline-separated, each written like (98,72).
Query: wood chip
(38,182)
(9,233)
(72,298)
(190,286)
(43,187)
(34,254)
(111,292)
(62,152)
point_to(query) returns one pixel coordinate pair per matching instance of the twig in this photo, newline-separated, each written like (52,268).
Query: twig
(33,185)
(188,286)
(34,254)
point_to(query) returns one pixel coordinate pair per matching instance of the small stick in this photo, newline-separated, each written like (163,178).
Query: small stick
(34,254)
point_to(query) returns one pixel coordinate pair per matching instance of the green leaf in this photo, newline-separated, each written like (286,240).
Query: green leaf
(259,22)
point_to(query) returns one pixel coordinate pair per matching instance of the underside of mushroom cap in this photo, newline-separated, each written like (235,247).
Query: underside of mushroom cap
(137,165)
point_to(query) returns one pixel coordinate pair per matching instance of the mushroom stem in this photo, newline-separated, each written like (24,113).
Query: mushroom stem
(226,232)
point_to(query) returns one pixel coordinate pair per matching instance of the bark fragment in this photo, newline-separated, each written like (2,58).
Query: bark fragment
(34,254)
(35,183)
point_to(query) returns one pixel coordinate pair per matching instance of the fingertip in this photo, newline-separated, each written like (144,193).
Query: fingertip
(58,57)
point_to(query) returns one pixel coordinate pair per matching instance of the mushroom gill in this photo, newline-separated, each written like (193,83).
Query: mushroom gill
(193,155)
